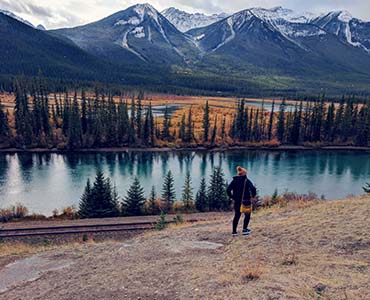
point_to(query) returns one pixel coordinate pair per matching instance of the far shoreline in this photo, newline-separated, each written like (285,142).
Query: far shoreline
(185,149)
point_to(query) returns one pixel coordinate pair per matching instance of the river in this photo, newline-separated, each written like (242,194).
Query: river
(44,182)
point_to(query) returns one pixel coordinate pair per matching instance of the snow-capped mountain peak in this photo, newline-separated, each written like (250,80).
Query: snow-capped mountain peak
(280,13)
(345,16)
(185,21)
(342,24)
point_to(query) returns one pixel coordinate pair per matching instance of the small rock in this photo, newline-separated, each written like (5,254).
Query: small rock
(320,288)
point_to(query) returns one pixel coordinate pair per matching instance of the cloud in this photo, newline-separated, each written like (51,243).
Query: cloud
(69,13)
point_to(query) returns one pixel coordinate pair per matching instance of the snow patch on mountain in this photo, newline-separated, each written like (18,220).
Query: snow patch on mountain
(127,46)
(345,16)
(139,32)
(280,13)
(131,21)
(185,21)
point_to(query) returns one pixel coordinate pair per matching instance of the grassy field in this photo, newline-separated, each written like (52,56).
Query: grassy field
(317,250)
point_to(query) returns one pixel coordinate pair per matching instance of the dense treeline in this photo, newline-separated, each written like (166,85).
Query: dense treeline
(310,122)
(76,122)
(100,199)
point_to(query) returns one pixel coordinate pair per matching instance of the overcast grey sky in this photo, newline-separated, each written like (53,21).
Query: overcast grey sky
(69,13)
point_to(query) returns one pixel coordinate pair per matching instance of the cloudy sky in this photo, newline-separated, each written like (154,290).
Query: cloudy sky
(69,13)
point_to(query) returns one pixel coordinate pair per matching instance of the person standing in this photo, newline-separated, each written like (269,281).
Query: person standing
(241,190)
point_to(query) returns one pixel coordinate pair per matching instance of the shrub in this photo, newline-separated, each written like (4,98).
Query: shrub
(161,223)
(17,211)
(178,219)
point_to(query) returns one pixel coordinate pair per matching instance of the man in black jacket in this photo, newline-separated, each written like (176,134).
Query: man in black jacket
(235,191)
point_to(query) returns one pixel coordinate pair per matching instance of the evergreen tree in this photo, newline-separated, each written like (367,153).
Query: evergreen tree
(166,125)
(182,128)
(45,117)
(99,201)
(65,115)
(134,201)
(240,121)
(151,125)
(187,193)
(201,200)
(139,116)
(122,122)
(271,121)
(146,130)
(83,112)
(152,207)
(281,122)
(189,128)
(22,115)
(111,122)
(206,123)
(74,130)
(214,132)
(86,207)
(223,129)
(217,197)
(168,192)
(329,123)
(4,124)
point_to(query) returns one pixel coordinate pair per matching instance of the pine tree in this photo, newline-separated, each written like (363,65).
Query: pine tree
(281,122)
(139,116)
(214,132)
(146,129)
(271,121)
(122,122)
(134,201)
(168,192)
(217,197)
(166,124)
(85,206)
(83,112)
(187,193)
(111,122)
(329,123)
(152,207)
(151,126)
(74,130)
(201,200)
(100,200)
(206,123)
(65,115)
(45,110)
(22,115)
(189,128)
(4,124)
(182,128)
(223,128)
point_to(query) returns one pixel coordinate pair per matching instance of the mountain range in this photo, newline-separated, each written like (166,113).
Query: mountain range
(269,49)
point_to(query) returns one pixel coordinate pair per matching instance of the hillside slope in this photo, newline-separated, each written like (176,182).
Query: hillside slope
(315,251)
(26,50)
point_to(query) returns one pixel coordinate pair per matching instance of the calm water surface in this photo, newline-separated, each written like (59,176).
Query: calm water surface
(44,182)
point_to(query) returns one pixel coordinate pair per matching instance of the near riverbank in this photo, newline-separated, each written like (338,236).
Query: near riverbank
(317,250)
(169,149)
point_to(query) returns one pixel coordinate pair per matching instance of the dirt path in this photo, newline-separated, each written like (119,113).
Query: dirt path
(316,252)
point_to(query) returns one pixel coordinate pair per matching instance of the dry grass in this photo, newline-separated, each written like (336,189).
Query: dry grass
(302,251)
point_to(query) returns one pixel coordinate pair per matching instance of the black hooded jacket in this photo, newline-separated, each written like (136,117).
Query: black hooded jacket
(235,189)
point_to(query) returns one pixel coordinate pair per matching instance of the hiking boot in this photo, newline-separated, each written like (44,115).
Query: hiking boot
(247,231)
(234,234)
